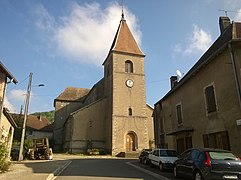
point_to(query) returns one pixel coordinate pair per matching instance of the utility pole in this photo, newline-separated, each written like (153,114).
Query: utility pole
(20,157)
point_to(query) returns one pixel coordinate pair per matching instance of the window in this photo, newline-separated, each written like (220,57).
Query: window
(210,99)
(130,111)
(128,66)
(219,140)
(179,113)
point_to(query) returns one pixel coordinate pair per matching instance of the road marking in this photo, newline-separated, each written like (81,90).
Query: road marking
(57,172)
(158,176)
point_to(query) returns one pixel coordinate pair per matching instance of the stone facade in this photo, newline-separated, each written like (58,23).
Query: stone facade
(203,109)
(113,116)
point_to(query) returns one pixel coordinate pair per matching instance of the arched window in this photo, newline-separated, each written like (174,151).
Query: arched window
(130,111)
(128,66)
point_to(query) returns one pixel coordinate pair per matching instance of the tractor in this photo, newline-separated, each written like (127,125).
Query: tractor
(40,149)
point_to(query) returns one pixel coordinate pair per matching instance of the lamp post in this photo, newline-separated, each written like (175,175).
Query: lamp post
(20,157)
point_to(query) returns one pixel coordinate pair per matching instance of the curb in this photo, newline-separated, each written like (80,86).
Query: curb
(58,171)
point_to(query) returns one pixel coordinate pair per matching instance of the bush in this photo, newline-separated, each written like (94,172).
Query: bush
(4,160)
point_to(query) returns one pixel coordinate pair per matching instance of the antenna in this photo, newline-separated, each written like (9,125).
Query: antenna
(226,11)
(179,75)
(10,81)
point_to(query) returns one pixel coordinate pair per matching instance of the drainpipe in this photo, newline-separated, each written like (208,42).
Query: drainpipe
(235,71)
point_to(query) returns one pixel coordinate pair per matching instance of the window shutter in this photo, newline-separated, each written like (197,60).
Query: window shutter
(179,114)
(205,141)
(210,99)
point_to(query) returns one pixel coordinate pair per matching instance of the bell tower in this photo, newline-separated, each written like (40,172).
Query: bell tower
(125,89)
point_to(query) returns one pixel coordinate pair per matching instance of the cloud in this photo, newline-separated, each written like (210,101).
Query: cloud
(45,21)
(85,34)
(17,95)
(198,42)
(238,16)
(8,105)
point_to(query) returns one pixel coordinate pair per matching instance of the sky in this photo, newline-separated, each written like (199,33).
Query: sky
(64,42)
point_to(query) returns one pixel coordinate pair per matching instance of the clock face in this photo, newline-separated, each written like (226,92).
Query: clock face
(129,83)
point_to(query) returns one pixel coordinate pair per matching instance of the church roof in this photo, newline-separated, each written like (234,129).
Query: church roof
(72,94)
(124,41)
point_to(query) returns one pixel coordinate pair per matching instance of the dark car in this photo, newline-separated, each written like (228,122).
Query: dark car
(143,158)
(207,164)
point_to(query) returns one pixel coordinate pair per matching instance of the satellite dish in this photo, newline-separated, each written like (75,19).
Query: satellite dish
(179,74)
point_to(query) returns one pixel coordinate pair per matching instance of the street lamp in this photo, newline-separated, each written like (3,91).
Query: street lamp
(20,157)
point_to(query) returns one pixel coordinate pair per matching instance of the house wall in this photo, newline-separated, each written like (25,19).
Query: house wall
(3,78)
(150,127)
(7,131)
(218,73)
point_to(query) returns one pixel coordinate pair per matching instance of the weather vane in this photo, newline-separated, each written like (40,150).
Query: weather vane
(122,9)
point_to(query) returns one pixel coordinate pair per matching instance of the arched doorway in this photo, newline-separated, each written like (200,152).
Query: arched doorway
(130,141)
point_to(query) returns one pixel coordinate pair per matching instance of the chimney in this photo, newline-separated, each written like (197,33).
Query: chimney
(39,118)
(224,22)
(173,81)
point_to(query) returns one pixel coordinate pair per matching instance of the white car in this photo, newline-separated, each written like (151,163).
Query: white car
(164,158)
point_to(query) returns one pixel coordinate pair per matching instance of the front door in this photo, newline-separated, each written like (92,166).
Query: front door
(130,142)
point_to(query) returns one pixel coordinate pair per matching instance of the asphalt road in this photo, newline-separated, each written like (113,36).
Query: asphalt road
(112,169)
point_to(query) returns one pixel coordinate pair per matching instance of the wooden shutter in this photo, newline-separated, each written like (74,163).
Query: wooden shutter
(210,99)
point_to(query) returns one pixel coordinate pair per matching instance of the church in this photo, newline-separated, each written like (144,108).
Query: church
(113,115)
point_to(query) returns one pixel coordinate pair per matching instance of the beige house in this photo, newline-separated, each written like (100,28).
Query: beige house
(7,123)
(113,116)
(36,127)
(203,109)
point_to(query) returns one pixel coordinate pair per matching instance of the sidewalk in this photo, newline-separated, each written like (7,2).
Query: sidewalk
(37,169)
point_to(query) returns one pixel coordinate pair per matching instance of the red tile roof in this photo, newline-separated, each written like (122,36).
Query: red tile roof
(34,122)
(124,41)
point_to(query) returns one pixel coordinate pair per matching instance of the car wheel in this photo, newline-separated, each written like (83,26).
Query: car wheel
(198,176)
(175,172)
(145,161)
(140,161)
(161,167)
(151,165)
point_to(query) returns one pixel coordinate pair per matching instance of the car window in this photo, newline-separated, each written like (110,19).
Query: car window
(172,153)
(186,154)
(202,156)
(195,154)
(222,156)
(163,153)
(156,153)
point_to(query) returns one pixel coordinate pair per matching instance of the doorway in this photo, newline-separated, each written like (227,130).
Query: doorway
(130,142)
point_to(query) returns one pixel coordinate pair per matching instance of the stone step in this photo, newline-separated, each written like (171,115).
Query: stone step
(132,154)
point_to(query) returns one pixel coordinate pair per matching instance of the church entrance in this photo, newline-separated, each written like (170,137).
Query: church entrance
(130,142)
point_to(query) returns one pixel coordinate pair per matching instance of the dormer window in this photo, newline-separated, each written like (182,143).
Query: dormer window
(128,66)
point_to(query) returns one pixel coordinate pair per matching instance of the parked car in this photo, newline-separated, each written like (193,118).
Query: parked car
(163,158)
(207,164)
(143,158)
